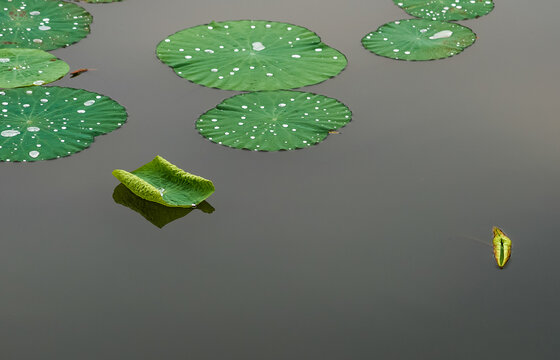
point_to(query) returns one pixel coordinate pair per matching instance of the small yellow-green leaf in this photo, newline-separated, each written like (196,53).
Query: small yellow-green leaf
(164,183)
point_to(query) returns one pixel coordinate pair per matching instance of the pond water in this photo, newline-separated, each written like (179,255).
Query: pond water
(357,248)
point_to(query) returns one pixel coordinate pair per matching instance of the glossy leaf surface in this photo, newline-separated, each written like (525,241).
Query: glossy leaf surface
(250,55)
(273,120)
(52,122)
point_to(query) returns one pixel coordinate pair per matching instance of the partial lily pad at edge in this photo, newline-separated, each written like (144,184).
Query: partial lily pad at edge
(40,24)
(157,214)
(161,182)
(250,55)
(273,120)
(43,122)
(26,67)
(446,10)
(419,39)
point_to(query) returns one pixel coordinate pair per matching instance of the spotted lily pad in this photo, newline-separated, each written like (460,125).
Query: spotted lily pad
(164,183)
(273,120)
(52,122)
(419,39)
(42,24)
(250,55)
(25,67)
(157,214)
(446,10)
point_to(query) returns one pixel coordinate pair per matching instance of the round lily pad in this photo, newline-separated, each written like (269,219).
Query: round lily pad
(52,122)
(42,24)
(25,67)
(273,120)
(161,182)
(419,39)
(446,10)
(250,55)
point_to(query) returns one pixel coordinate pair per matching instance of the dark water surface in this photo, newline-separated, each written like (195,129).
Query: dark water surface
(351,249)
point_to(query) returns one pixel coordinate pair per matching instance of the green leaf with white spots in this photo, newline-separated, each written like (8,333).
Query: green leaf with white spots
(25,67)
(273,120)
(157,214)
(419,39)
(161,182)
(446,10)
(250,55)
(52,122)
(42,24)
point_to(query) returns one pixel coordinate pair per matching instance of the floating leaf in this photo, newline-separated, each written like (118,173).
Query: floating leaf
(157,214)
(52,122)
(447,10)
(164,183)
(502,247)
(25,67)
(41,24)
(273,120)
(419,39)
(250,55)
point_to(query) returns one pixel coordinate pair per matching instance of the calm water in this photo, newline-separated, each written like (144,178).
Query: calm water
(352,249)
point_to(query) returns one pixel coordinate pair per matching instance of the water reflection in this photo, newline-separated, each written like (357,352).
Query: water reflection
(155,213)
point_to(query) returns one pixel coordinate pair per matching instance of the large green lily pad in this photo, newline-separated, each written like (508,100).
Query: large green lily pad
(446,10)
(250,55)
(164,183)
(157,214)
(273,120)
(25,67)
(42,24)
(52,122)
(419,39)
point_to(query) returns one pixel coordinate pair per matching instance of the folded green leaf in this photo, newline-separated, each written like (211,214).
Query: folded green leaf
(164,183)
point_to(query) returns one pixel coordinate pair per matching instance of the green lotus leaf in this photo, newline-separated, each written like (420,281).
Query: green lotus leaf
(164,183)
(419,39)
(446,10)
(250,55)
(25,67)
(42,24)
(157,214)
(273,120)
(52,122)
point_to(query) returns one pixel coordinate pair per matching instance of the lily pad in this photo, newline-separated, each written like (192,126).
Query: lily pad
(52,122)
(250,55)
(164,183)
(25,67)
(446,10)
(419,39)
(273,120)
(42,24)
(157,214)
